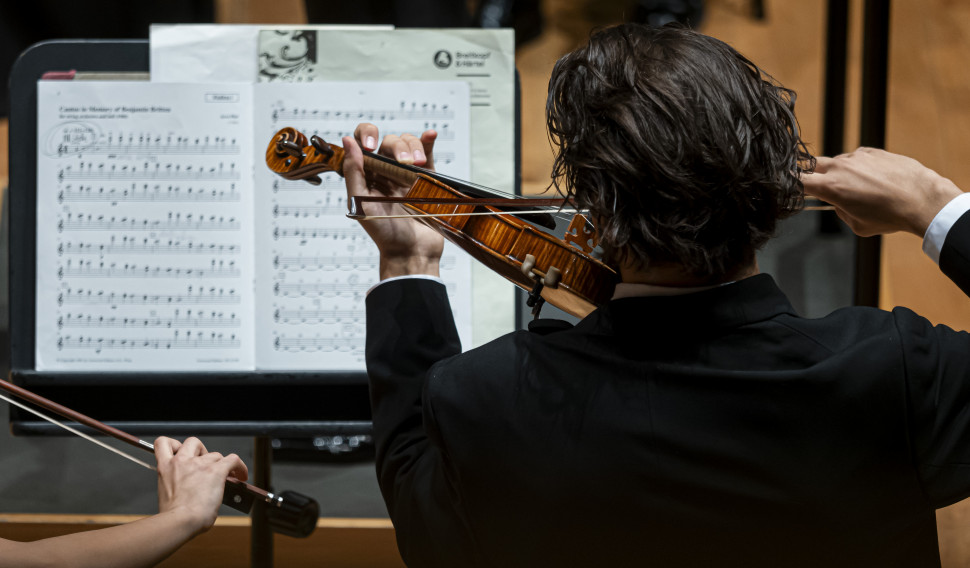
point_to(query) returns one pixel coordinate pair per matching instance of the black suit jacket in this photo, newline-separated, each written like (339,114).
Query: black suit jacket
(712,429)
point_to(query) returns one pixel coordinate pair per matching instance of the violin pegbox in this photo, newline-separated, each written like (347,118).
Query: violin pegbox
(290,155)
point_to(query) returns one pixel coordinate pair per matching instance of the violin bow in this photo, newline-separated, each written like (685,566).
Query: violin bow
(289,513)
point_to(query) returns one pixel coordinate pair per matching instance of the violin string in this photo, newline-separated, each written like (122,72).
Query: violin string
(78,433)
(523,212)
(412,215)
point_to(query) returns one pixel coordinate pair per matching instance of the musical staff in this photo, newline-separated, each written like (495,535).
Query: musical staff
(328,186)
(333,262)
(146,193)
(304,233)
(350,288)
(87,269)
(297,211)
(131,245)
(174,222)
(99,344)
(88,297)
(404,111)
(319,344)
(212,319)
(320,316)
(146,143)
(147,171)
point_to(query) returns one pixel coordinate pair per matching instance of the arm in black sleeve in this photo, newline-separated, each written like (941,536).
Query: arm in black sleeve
(938,375)
(410,327)
(955,254)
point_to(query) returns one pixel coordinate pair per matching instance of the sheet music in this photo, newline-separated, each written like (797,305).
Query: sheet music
(316,265)
(145,224)
(483,58)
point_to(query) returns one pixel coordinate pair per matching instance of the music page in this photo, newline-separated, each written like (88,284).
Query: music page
(313,264)
(144,226)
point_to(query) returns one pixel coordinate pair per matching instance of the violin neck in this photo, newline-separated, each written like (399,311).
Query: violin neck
(385,167)
(405,174)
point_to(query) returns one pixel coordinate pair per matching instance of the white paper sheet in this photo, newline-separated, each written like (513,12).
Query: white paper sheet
(212,53)
(485,59)
(165,243)
(313,263)
(144,226)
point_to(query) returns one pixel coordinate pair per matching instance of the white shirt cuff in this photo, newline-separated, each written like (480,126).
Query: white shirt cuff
(419,276)
(936,233)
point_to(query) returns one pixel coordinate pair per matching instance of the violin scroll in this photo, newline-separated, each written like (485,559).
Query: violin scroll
(292,156)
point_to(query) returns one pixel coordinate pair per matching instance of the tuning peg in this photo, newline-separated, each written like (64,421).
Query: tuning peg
(321,146)
(291,148)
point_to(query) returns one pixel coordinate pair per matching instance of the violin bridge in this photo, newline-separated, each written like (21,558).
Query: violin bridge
(581,234)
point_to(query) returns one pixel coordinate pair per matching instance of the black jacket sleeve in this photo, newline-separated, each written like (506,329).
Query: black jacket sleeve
(937,361)
(410,327)
(955,254)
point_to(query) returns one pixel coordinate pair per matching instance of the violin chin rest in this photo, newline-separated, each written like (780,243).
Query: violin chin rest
(295,516)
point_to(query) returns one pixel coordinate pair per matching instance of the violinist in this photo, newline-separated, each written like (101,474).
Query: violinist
(695,419)
(190,487)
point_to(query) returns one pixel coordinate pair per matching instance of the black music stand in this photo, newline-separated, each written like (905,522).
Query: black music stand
(257,404)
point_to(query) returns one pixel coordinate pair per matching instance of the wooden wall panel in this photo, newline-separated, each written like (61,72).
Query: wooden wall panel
(344,543)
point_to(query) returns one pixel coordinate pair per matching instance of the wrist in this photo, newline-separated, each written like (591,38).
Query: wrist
(941,192)
(192,522)
(392,266)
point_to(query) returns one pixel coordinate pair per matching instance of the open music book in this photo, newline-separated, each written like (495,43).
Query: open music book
(165,244)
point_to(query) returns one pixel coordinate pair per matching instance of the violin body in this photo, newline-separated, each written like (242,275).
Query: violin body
(563,274)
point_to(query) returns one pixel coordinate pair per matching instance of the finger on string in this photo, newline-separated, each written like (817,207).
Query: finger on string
(415,149)
(428,138)
(366,135)
(398,148)
(354,176)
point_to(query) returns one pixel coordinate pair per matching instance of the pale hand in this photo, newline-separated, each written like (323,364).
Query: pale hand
(191,480)
(407,246)
(877,192)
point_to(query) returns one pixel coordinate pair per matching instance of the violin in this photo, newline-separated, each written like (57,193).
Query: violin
(288,513)
(561,271)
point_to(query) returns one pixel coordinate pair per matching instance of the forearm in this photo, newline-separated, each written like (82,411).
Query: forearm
(144,542)
(409,328)
(396,266)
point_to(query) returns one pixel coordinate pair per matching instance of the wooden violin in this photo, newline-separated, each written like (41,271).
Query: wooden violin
(562,271)
(288,513)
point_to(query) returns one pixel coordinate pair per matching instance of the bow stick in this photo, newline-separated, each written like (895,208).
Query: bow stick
(289,512)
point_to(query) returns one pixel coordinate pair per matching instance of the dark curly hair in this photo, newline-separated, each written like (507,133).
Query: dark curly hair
(684,151)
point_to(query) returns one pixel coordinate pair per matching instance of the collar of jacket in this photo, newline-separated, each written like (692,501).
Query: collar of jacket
(746,301)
